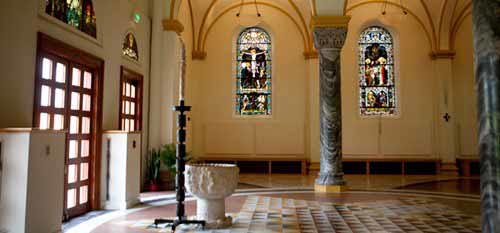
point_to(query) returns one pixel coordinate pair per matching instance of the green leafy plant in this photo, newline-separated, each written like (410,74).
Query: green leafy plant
(153,163)
(169,157)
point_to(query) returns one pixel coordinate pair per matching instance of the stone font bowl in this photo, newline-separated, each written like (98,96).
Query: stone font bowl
(211,184)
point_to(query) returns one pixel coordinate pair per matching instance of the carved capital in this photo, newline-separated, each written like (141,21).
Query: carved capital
(310,54)
(198,55)
(173,25)
(329,37)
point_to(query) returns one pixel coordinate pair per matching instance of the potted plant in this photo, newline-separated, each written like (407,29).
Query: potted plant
(169,159)
(153,171)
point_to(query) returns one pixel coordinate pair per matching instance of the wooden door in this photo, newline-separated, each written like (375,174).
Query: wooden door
(68,96)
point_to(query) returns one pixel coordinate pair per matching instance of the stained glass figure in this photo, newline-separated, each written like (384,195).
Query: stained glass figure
(77,13)
(89,19)
(376,73)
(130,47)
(253,83)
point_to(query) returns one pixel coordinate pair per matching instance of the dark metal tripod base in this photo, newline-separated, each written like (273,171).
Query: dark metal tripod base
(176,222)
(181,167)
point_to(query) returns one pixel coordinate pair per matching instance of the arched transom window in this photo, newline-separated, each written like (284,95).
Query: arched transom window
(376,73)
(129,47)
(253,85)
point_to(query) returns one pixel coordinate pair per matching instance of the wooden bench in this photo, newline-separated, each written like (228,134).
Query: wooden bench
(303,161)
(403,162)
(464,164)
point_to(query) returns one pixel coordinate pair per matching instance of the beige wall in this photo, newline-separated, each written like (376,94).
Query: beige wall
(218,131)
(465,92)
(389,137)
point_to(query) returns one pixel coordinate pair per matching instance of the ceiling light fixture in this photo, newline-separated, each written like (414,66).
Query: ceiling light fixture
(247,19)
(394,17)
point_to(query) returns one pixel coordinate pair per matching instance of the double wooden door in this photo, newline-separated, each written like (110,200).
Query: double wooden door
(67,98)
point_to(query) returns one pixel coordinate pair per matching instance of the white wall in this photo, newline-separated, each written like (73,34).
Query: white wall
(464,91)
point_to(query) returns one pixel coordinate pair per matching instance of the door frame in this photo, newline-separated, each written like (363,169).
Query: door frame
(54,47)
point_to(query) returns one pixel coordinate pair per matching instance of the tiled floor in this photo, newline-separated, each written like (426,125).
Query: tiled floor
(288,204)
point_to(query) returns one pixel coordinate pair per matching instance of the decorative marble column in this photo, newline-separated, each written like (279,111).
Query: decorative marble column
(329,41)
(486,29)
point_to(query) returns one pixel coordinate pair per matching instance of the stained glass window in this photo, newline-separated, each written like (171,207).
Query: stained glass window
(130,47)
(77,13)
(376,73)
(253,78)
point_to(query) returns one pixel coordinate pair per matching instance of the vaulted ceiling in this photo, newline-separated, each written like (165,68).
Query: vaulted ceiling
(439,18)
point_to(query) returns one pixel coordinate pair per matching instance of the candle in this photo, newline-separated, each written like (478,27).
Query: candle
(182,70)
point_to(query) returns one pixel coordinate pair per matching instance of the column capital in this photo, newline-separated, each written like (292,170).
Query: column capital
(173,25)
(329,37)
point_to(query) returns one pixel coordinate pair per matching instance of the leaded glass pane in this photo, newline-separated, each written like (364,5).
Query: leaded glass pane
(253,78)
(376,73)
(77,13)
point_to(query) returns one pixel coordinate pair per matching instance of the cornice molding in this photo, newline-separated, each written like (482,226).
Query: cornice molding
(442,54)
(330,21)
(173,25)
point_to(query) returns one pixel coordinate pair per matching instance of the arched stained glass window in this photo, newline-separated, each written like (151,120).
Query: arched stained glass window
(253,85)
(130,47)
(376,73)
(77,13)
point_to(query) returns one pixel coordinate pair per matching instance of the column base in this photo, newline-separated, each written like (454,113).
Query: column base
(330,188)
(449,169)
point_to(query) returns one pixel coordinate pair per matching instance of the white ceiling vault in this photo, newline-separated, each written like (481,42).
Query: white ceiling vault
(440,19)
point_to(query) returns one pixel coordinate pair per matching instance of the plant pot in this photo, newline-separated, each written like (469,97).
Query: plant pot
(153,187)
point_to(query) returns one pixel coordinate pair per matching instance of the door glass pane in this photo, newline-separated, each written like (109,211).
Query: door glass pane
(73,149)
(47,69)
(127,107)
(72,173)
(45,96)
(127,123)
(84,171)
(85,125)
(59,102)
(73,125)
(44,120)
(127,89)
(132,125)
(60,73)
(86,103)
(87,80)
(85,148)
(132,91)
(132,108)
(84,193)
(71,198)
(76,77)
(58,122)
(75,101)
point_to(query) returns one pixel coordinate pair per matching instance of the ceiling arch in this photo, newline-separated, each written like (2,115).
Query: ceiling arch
(440,19)
(271,6)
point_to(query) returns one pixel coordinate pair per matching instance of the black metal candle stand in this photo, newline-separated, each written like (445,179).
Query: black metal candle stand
(179,177)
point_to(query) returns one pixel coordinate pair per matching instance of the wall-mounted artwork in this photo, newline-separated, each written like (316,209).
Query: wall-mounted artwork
(129,48)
